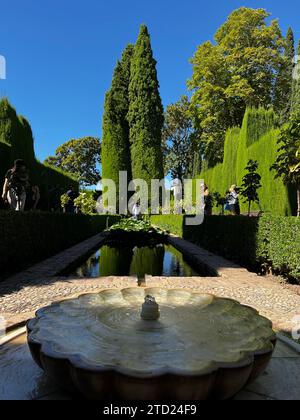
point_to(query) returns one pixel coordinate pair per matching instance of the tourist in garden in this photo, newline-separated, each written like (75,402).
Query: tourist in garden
(177,194)
(136,211)
(15,185)
(233,201)
(208,202)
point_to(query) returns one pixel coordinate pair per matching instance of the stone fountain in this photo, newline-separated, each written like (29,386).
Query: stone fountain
(151,344)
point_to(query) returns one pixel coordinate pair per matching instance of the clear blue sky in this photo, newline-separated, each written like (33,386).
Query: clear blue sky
(61,54)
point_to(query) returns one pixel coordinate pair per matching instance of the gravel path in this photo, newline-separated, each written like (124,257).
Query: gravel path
(273,300)
(21,305)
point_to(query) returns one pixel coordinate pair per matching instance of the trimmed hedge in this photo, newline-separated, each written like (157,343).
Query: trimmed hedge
(16,142)
(26,238)
(5,157)
(256,140)
(53,183)
(261,244)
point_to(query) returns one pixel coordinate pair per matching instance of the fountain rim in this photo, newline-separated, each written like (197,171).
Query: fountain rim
(45,348)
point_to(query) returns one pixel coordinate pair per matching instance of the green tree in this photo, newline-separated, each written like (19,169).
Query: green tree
(251,184)
(240,70)
(146,116)
(179,143)
(80,157)
(115,143)
(26,140)
(284,82)
(287,164)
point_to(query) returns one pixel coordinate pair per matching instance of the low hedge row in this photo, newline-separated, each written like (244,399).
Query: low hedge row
(262,244)
(26,238)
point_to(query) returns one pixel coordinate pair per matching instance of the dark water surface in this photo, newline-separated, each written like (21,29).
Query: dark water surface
(162,260)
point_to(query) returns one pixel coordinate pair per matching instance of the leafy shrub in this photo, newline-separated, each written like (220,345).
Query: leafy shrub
(136,232)
(64,200)
(132,225)
(279,245)
(85,203)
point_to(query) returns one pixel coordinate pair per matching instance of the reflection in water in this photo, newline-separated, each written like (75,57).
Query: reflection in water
(114,261)
(121,261)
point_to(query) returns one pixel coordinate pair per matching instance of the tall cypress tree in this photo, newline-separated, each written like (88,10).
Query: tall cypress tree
(284,84)
(115,140)
(296,86)
(146,114)
(27,142)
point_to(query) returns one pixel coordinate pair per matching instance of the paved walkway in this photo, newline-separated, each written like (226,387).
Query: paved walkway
(23,294)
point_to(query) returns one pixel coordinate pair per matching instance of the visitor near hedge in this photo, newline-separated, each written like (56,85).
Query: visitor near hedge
(15,185)
(233,201)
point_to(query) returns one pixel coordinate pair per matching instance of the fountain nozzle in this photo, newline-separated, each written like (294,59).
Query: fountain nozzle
(150,309)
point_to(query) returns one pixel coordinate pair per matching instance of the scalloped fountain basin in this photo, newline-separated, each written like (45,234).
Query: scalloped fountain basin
(200,347)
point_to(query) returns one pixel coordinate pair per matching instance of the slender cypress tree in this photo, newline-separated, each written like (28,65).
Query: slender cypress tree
(115,141)
(284,84)
(295,109)
(27,142)
(145,115)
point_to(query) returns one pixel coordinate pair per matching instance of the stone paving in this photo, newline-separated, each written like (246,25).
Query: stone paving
(23,294)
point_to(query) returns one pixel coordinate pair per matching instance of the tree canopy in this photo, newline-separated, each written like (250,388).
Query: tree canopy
(284,82)
(181,152)
(239,70)
(79,157)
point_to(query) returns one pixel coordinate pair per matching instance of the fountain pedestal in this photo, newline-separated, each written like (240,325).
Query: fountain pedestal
(180,346)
